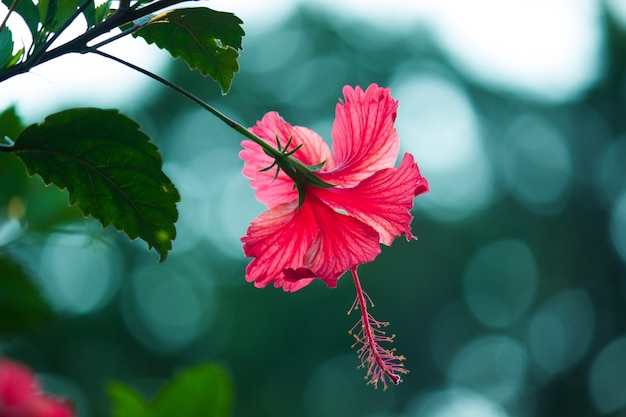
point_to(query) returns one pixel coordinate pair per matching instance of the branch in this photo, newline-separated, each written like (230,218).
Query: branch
(231,123)
(38,53)
(79,44)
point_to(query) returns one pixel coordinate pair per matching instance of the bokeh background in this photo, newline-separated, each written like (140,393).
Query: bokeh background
(511,303)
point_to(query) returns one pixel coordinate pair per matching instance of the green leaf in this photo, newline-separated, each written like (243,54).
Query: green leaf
(201,391)
(16,57)
(54,13)
(6,47)
(206,39)
(110,168)
(10,123)
(47,10)
(102,11)
(126,401)
(204,390)
(7,58)
(90,14)
(28,11)
(21,305)
(95,15)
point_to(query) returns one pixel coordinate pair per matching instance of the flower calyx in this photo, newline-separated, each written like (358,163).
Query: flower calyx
(300,173)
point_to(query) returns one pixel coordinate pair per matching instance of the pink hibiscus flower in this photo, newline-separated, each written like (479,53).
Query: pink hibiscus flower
(20,395)
(310,231)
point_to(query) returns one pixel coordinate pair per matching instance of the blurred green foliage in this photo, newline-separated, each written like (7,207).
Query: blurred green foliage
(21,305)
(202,390)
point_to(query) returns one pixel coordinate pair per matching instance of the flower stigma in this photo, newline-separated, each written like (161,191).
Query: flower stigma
(381,363)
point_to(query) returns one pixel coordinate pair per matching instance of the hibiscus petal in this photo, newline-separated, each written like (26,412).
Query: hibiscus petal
(271,190)
(278,240)
(313,151)
(383,201)
(342,243)
(364,137)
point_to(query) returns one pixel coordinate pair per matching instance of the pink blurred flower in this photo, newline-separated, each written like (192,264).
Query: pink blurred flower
(20,395)
(333,230)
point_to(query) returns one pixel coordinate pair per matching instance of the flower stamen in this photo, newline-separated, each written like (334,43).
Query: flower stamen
(381,363)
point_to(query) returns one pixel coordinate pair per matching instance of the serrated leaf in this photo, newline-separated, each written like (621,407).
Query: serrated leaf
(110,168)
(206,39)
(126,401)
(201,391)
(29,13)
(21,305)
(102,11)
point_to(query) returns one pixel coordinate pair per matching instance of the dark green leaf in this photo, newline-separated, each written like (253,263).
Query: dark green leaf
(90,14)
(102,11)
(54,13)
(126,402)
(110,168)
(21,306)
(95,15)
(10,123)
(6,47)
(206,39)
(201,391)
(28,11)
(47,10)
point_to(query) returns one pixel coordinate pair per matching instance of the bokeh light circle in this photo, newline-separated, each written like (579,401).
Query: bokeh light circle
(494,366)
(165,309)
(457,402)
(617,226)
(437,124)
(79,273)
(500,282)
(561,330)
(606,380)
(537,164)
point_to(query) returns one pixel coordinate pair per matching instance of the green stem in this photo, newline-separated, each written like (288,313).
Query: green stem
(300,173)
(231,123)
(116,37)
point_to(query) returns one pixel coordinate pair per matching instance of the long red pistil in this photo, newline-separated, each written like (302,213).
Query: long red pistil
(381,363)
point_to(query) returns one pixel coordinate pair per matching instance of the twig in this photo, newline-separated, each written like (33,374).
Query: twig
(6,18)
